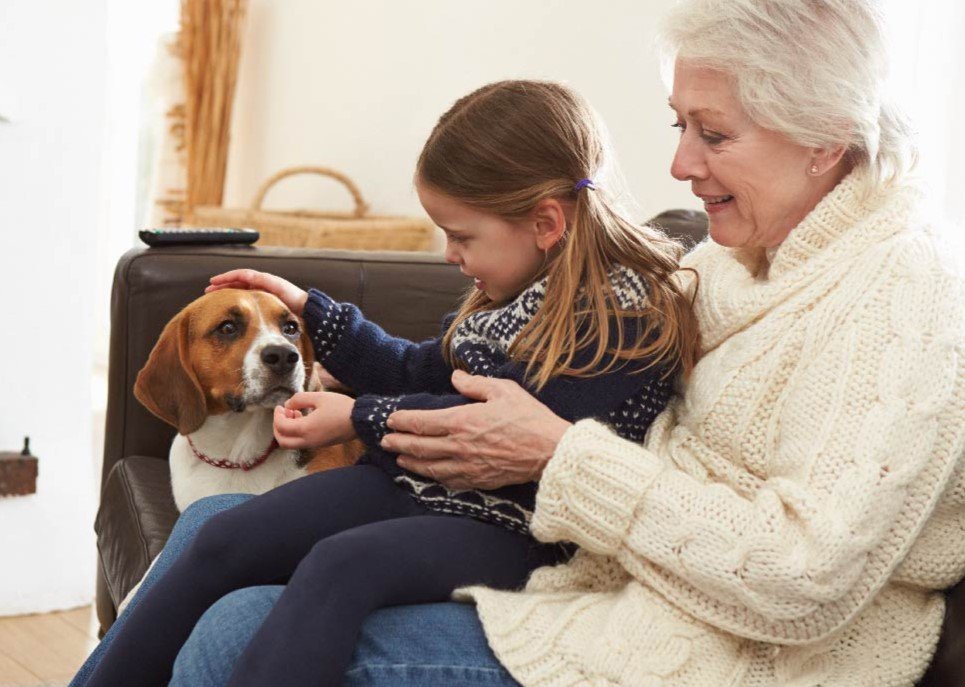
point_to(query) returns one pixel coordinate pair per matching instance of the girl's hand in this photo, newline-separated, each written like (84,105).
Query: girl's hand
(328,422)
(292,296)
(509,439)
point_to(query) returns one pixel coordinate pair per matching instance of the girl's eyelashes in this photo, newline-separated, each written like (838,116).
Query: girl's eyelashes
(453,238)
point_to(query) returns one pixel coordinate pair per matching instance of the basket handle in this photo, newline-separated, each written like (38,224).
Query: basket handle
(361,207)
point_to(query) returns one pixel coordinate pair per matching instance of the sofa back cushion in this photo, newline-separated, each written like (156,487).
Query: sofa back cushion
(406,293)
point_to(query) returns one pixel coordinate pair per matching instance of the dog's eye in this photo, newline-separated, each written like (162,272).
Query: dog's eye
(289,328)
(228,328)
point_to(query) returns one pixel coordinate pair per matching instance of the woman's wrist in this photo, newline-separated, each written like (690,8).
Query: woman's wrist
(556,428)
(590,492)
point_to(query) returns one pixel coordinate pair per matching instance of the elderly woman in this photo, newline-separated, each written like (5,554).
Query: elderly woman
(794,515)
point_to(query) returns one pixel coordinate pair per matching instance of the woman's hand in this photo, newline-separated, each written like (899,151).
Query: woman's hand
(289,294)
(509,439)
(328,422)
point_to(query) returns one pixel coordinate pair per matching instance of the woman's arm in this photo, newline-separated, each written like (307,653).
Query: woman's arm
(507,438)
(785,559)
(603,395)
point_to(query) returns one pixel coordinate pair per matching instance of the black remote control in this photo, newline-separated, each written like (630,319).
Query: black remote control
(179,236)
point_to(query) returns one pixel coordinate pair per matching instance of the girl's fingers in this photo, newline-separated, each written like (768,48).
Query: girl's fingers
(230,276)
(289,432)
(227,285)
(303,399)
(245,278)
(291,442)
(284,425)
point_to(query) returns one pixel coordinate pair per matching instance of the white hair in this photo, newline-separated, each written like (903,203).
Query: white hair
(813,70)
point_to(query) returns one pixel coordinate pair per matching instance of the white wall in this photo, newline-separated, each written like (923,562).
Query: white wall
(52,87)
(359,85)
(353,85)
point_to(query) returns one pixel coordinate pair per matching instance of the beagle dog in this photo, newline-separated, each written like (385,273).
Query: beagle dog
(218,370)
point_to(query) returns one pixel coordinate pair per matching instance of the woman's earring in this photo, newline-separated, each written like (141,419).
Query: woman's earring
(814,169)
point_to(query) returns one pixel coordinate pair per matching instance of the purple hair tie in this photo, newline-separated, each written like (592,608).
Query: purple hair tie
(582,184)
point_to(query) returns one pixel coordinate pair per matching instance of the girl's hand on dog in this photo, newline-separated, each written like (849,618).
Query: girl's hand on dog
(289,294)
(328,422)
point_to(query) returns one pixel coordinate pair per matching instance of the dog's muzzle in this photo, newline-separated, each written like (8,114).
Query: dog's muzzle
(280,360)
(275,375)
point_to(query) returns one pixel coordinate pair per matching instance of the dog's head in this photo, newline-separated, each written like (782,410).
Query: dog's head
(229,350)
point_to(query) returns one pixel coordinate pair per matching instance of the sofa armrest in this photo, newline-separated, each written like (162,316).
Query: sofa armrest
(135,517)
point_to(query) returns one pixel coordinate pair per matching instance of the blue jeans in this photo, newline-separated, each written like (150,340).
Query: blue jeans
(184,530)
(393,648)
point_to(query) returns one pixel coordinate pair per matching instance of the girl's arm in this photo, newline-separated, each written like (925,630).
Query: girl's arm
(366,359)
(361,355)
(571,398)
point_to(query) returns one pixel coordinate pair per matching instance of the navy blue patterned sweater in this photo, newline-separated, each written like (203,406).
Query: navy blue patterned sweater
(390,374)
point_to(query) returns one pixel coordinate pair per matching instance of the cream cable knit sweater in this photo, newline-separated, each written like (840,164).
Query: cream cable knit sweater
(790,519)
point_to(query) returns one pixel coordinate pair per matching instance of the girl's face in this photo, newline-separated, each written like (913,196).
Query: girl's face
(501,257)
(754,182)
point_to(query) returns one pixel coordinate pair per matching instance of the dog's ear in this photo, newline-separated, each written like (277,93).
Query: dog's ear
(167,385)
(313,380)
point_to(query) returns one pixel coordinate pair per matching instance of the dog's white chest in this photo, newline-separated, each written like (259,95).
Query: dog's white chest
(238,438)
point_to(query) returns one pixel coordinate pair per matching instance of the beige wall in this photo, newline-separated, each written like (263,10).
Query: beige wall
(358,85)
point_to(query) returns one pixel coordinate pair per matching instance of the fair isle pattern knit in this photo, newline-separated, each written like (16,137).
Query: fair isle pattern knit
(625,399)
(793,517)
(483,339)
(328,326)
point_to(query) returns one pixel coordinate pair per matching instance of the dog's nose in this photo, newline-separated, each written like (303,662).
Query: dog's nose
(279,359)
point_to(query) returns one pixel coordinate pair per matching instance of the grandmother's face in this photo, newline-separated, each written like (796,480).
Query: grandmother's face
(754,182)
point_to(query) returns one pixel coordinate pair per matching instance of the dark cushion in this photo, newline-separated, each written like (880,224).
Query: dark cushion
(687,226)
(136,515)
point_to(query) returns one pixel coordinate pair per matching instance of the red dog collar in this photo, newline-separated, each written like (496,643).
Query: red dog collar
(232,466)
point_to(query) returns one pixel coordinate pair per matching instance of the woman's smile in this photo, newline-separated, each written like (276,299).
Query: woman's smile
(716,204)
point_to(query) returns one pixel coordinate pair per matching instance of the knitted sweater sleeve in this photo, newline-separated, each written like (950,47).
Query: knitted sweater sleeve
(572,398)
(860,451)
(363,357)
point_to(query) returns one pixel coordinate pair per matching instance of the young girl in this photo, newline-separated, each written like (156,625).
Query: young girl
(571,300)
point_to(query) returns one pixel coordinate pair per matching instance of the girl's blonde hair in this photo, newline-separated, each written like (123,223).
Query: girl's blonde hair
(509,145)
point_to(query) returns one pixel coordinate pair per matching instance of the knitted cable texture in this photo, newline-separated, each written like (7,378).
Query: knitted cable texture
(792,518)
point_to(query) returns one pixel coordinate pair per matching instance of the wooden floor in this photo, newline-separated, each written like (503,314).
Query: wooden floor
(45,649)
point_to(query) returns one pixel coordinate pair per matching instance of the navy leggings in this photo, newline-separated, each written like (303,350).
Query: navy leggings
(345,542)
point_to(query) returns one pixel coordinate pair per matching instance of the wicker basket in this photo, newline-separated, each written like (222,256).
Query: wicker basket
(356,230)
